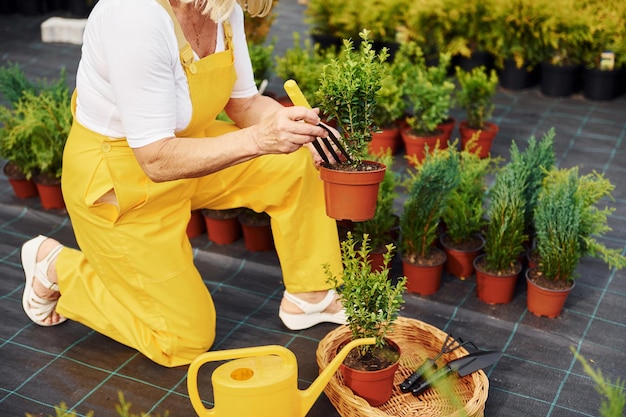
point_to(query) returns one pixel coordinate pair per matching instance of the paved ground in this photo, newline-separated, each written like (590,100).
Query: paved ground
(537,376)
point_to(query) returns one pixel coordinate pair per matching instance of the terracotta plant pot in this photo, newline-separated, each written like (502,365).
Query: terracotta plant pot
(482,147)
(460,262)
(222,226)
(352,195)
(196,225)
(50,193)
(417,146)
(386,140)
(492,288)
(257,231)
(426,279)
(544,301)
(447,127)
(22,188)
(375,387)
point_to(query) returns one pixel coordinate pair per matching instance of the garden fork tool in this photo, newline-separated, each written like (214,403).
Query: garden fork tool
(450,344)
(298,99)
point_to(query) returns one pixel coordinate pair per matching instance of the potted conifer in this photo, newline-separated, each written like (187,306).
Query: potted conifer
(475,96)
(498,268)
(463,217)
(347,95)
(372,303)
(40,122)
(429,186)
(568,223)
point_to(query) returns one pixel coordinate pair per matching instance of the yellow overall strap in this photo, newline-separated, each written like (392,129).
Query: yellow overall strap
(186,53)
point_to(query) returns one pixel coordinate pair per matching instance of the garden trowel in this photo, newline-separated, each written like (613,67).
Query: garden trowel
(462,366)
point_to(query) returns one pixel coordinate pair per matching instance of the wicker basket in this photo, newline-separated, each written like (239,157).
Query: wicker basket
(417,341)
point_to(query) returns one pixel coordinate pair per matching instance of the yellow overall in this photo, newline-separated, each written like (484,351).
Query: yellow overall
(134,278)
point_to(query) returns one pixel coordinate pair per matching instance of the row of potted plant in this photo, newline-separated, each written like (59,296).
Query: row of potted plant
(34,125)
(516,37)
(414,97)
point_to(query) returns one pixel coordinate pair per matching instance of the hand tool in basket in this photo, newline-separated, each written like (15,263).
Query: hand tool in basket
(462,366)
(430,364)
(298,99)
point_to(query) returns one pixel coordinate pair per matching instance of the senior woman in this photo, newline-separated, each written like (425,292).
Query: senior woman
(146,149)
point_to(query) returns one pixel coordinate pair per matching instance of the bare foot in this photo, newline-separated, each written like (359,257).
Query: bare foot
(312,298)
(38,287)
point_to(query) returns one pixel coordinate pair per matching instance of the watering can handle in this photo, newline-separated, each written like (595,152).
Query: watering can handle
(219,355)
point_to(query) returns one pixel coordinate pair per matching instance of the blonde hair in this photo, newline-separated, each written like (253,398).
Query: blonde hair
(220,10)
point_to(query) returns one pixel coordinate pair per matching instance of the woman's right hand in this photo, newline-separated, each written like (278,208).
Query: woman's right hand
(284,130)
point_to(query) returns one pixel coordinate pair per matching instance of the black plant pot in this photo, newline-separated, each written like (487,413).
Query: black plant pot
(560,80)
(477,59)
(603,85)
(514,78)
(326,41)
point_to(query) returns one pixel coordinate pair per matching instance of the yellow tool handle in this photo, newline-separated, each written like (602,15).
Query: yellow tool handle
(295,94)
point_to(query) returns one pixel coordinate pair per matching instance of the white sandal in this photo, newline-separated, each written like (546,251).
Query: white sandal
(37,308)
(313,313)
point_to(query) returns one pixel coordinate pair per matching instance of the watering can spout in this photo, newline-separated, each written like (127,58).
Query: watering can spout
(310,395)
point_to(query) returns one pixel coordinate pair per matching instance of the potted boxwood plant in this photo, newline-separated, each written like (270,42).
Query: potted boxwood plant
(463,216)
(426,24)
(381,228)
(428,94)
(565,36)
(372,302)
(41,121)
(428,186)
(388,114)
(604,59)
(330,21)
(568,224)
(498,268)
(302,62)
(514,38)
(475,97)
(466,39)
(347,94)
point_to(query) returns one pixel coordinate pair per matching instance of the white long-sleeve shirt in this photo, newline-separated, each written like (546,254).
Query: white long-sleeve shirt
(130,81)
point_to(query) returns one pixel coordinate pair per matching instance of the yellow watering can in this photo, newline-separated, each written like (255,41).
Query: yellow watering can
(261,382)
